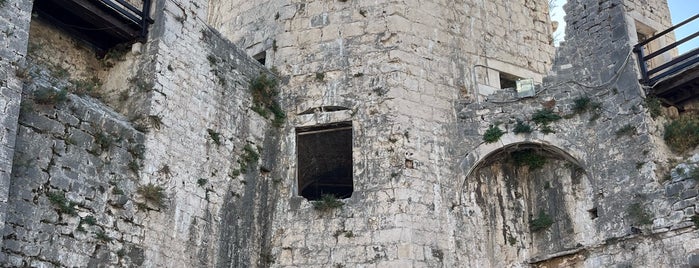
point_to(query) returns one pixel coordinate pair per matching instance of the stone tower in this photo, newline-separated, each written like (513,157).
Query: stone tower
(354,133)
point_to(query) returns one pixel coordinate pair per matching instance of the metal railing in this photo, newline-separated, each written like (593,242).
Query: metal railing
(672,67)
(139,17)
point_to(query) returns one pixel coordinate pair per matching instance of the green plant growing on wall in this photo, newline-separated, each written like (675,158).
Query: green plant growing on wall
(215,136)
(212,60)
(682,135)
(117,191)
(695,220)
(88,87)
(248,158)
(327,202)
(59,200)
(541,222)
(89,220)
(545,117)
(49,96)
(153,194)
(117,53)
(57,71)
(546,129)
(349,234)
(511,240)
(264,93)
(134,166)
(522,127)
(103,140)
(626,130)
(654,106)
(529,158)
(639,214)
(583,104)
(492,134)
(102,236)
(694,173)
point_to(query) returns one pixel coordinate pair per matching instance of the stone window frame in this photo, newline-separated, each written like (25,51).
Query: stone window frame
(318,117)
(491,73)
(637,25)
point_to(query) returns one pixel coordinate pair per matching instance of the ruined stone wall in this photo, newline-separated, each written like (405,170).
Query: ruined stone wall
(71,196)
(656,11)
(14,18)
(650,18)
(396,68)
(164,164)
(604,187)
(114,78)
(188,172)
(203,153)
(510,36)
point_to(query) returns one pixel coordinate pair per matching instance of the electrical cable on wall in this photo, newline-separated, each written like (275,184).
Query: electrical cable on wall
(613,79)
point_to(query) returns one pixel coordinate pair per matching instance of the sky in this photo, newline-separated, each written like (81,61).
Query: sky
(679,9)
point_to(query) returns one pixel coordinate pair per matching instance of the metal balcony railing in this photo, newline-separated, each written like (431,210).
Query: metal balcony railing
(678,64)
(101,23)
(139,17)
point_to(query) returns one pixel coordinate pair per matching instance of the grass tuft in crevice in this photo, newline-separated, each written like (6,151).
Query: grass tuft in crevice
(492,134)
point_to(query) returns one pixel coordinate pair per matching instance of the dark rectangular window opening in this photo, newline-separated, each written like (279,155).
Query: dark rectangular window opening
(261,57)
(324,155)
(508,80)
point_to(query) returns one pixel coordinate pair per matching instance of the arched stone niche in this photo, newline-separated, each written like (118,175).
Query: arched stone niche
(527,201)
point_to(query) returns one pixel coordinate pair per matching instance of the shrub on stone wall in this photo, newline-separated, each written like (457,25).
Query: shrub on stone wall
(49,96)
(639,214)
(545,117)
(654,106)
(493,134)
(529,158)
(541,222)
(62,204)
(522,127)
(248,158)
(264,93)
(153,194)
(682,134)
(327,202)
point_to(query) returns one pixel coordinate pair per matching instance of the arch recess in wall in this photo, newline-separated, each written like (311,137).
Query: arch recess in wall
(530,195)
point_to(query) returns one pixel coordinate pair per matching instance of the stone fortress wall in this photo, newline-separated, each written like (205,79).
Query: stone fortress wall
(176,116)
(144,167)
